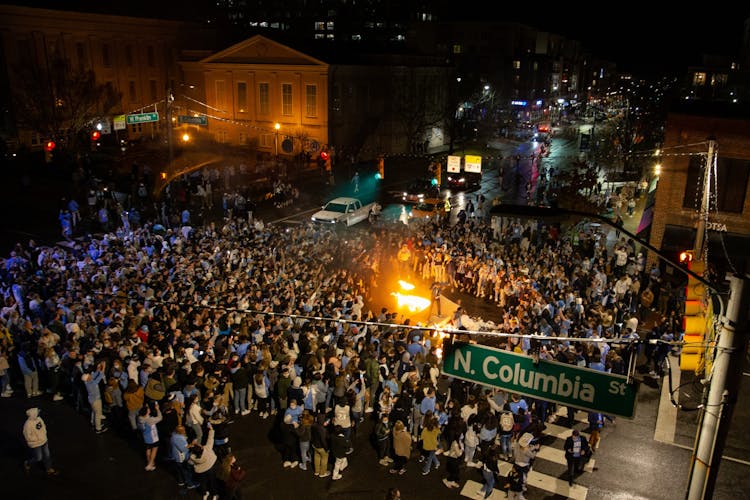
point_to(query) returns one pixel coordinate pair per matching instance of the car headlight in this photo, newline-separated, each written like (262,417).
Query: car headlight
(461,180)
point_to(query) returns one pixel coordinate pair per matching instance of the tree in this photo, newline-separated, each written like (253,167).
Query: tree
(57,101)
(416,103)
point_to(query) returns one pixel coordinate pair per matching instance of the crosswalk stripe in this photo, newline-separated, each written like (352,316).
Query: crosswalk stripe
(580,416)
(561,432)
(558,456)
(537,480)
(555,485)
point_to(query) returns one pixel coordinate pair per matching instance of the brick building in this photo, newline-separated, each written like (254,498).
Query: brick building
(678,195)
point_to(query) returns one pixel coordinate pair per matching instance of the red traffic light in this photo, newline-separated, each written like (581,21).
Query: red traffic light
(686,256)
(49,146)
(95,135)
(324,155)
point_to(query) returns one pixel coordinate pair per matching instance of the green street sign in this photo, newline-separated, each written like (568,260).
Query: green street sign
(192,120)
(566,384)
(142,118)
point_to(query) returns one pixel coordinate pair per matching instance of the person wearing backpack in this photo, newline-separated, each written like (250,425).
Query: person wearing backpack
(506,434)
(514,484)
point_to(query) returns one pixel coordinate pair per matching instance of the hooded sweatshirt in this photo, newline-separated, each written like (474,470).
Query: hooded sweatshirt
(34,430)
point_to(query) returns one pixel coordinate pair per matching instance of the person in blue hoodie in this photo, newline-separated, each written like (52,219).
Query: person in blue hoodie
(179,453)
(92,380)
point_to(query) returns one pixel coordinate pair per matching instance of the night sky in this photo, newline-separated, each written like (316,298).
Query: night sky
(637,35)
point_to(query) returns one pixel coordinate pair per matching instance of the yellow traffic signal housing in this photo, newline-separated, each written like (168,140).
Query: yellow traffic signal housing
(696,322)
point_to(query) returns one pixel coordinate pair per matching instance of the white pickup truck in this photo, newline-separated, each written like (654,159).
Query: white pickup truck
(347,211)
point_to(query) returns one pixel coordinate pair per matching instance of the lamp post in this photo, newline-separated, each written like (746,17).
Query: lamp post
(277,126)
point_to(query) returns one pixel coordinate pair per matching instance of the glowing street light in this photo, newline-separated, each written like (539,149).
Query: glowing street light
(185,137)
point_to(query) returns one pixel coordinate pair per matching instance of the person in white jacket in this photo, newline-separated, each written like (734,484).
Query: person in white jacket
(35,433)
(203,459)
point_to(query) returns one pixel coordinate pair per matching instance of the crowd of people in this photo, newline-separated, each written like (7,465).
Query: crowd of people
(176,334)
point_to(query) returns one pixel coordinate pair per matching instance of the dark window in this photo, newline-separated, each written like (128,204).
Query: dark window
(152,89)
(729,186)
(106,59)
(150,56)
(129,55)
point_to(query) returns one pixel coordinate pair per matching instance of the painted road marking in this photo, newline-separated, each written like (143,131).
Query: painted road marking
(561,432)
(558,456)
(666,418)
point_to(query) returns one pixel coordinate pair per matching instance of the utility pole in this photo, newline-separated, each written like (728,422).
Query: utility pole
(700,233)
(725,377)
(169,100)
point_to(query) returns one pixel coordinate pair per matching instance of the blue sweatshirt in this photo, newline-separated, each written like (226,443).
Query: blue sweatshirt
(92,386)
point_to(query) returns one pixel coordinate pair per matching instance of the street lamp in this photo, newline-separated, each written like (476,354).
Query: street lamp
(277,126)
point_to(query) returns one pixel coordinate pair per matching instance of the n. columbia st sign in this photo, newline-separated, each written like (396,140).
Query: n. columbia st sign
(570,385)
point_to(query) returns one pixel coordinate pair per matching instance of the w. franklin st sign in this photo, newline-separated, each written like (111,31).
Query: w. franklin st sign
(566,384)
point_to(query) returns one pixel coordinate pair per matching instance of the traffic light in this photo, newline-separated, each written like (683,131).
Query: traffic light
(49,147)
(697,319)
(326,157)
(95,135)
(381,168)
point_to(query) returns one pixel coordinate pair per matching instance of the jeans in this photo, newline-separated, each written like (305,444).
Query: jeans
(184,472)
(5,382)
(304,452)
(489,482)
(240,399)
(133,419)
(575,466)
(453,466)
(505,444)
(41,454)
(384,447)
(321,460)
(429,460)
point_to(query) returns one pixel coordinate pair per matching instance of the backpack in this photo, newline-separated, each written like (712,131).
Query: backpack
(506,421)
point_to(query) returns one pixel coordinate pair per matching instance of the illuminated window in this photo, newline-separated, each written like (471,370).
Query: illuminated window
(263,99)
(266,140)
(357,37)
(320,26)
(311,100)
(719,79)
(320,36)
(242,96)
(457,49)
(329,36)
(286,99)
(699,79)
(516,64)
(329,25)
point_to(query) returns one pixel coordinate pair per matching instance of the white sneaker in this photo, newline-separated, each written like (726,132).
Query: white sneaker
(287,464)
(325,474)
(294,464)
(57,397)
(336,477)
(369,410)
(245,412)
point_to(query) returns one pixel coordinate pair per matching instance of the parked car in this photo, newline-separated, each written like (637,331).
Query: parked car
(464,180)
(420,189)
(429,207)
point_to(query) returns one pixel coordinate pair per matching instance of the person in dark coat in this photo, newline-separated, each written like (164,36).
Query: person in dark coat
(339,446)
(576,451)
(289,443)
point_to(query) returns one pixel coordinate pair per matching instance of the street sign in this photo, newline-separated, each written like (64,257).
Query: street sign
(119,122)
(454,164)
(568,385)
(192,120)
(473,164)
(106,127)
(142,118)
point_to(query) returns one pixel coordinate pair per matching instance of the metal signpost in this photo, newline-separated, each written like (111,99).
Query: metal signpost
(568,385)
